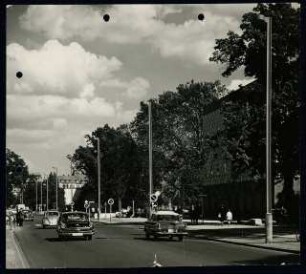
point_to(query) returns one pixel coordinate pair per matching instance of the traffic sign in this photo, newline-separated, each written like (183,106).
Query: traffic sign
(86,205)
(110,201)
(86,202)
(153,198)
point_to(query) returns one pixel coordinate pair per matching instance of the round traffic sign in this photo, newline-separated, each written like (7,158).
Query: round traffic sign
(86,202)
(153,198)
(110,201)
(86,205)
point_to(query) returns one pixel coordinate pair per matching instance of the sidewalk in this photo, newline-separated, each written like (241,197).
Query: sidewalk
(247,235)
(14,257)
(284,239)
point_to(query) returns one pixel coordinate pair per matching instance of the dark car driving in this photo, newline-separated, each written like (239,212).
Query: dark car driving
(75,224)
(28,215)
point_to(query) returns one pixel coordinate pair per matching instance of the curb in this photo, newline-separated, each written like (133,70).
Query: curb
(248,244)
(20,254)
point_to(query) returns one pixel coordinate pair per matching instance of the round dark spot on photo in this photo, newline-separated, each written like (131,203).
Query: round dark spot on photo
(19,74)
(201,16)
(106,17)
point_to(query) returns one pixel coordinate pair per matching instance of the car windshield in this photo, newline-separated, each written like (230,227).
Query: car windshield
(76,217)
(167,217)
(53,213)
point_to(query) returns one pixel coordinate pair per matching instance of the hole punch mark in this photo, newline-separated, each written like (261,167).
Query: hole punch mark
(19,74)
(201,17)
(106,17)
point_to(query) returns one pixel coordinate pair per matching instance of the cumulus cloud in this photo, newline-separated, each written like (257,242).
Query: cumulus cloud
(58,69)
(190,40)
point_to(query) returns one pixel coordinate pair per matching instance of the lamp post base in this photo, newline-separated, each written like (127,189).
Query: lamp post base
(269,228)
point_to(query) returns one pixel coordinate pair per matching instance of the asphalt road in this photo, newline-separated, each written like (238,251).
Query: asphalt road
(125,246)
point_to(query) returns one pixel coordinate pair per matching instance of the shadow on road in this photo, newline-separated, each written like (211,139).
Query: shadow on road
(65,240)
(288,259)
(155,240)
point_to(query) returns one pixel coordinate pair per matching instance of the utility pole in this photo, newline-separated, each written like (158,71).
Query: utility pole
(41,201)
(47,193)
(269,217)
(150,157)
(99,178)
(56,188)
(36,195)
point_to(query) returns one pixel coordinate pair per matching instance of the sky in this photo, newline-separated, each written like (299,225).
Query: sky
(80,72)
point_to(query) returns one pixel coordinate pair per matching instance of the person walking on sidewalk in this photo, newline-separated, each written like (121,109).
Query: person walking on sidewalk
(229,216)
(222,214)
(20,218)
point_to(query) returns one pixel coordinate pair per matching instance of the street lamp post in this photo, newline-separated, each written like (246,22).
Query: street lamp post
(47,205)
(150,156)
(36,195)
(99,178)
(269,218)
(56,188)
(41,201)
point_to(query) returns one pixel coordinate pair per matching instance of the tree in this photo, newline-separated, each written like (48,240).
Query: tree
(17,175)
(119,164)
(179,136)
(248,50)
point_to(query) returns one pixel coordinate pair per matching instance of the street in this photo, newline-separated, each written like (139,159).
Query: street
(124,245)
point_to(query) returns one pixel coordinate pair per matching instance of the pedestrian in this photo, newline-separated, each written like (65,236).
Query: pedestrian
(192,214)
(197,213)
(229,216)
(222,214)
(19,218)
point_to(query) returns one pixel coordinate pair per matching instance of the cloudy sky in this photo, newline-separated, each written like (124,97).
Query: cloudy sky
(80,72)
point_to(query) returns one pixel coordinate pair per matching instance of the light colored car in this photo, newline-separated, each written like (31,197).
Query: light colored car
(28,215)
(165,224)
(50,219)
(75,224)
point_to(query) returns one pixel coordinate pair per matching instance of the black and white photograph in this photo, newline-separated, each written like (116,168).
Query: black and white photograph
(152,135)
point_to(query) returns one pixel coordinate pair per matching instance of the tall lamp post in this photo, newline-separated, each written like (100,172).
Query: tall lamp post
(41,201)
(150,156)
(47,204)
(269,218)
(99,177)
(36,181)
(56,188)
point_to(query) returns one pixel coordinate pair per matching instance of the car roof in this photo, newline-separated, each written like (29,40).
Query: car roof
(166,212)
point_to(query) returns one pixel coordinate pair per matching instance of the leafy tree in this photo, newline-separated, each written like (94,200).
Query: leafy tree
(119,164)
(248,50)
(179,136)
(17,175)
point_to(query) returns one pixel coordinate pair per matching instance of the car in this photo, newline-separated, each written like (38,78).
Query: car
(75,224)
(124,213)
(165,224)
(50,219)
(28,215)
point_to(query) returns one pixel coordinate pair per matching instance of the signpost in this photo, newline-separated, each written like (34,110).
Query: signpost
(86,205)
(110,202)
